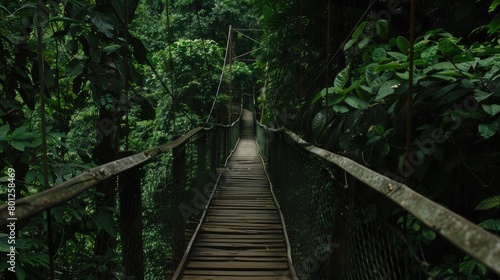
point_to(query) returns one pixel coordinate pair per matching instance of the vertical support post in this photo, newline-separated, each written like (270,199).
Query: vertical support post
(230,74)
(335,266)
(201,164)
(329,21)
(179,184)
(43,117)
(214,154)
(225,136)
(342,200)
(129,183)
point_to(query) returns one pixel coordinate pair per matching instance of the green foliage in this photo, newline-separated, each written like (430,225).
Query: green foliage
(456,105)
(491,224)
(444,73)
(489,203)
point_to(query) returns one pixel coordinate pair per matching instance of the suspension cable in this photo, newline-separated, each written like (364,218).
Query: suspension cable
(221,77)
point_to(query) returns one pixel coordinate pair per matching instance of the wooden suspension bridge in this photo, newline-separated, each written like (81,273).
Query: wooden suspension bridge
(244,230)
(242,235)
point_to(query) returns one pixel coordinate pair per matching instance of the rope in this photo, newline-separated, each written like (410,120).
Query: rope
(409,113)
(220,80)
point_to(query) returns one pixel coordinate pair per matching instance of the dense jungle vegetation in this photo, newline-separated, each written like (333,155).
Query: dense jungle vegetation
(82,81)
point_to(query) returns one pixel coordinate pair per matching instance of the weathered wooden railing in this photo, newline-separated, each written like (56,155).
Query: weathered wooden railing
(161,193)
(345,220)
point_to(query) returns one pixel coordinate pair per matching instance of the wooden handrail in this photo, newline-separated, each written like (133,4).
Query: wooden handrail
(33,204)
(470,238)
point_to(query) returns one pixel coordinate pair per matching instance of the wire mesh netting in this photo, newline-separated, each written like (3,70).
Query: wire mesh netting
(184,182)
(338,228)
(140,226)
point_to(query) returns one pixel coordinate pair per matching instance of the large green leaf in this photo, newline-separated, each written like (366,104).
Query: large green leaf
(420,45)
(103,23)
(370,74)
(111,48)
(429,234)
(491,109)
(21,133)
(349,44)
(392,66)
(359,30)
(4,130)
(488,130)
(4,246)
(398,56)
(340,109)
(341,79)
(378,54)
(356,102)
(386,89)
(322,94)
(494,25)
(364,42)
(429,54)
(449,46)
(74,68)
(336,99)
(444,90)
(493,6)
(318,123)
(491,224)
(467,267)
(382,28)
(403,44)
(490,202)
(481,95)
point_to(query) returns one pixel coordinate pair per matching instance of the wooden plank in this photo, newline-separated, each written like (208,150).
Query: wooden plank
(232,259)
(238,265)
(194,277)
(236,273)
(238,236)
(229,274)
(213,252)
(250,230)
(242,234)
(241,240)
(239,245)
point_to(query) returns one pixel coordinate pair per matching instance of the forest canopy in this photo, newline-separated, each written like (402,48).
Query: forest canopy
(83,81)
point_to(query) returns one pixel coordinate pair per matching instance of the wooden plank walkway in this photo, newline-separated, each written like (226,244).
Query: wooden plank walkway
(242,236)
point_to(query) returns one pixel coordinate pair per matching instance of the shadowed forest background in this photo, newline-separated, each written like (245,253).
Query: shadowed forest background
(83,82)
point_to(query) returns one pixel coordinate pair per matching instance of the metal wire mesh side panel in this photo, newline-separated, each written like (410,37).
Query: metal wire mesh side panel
(179,187)
(157,217)
(305,197)
(371,243)
(338,228)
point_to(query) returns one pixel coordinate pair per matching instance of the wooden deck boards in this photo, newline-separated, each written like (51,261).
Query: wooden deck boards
(242,236)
